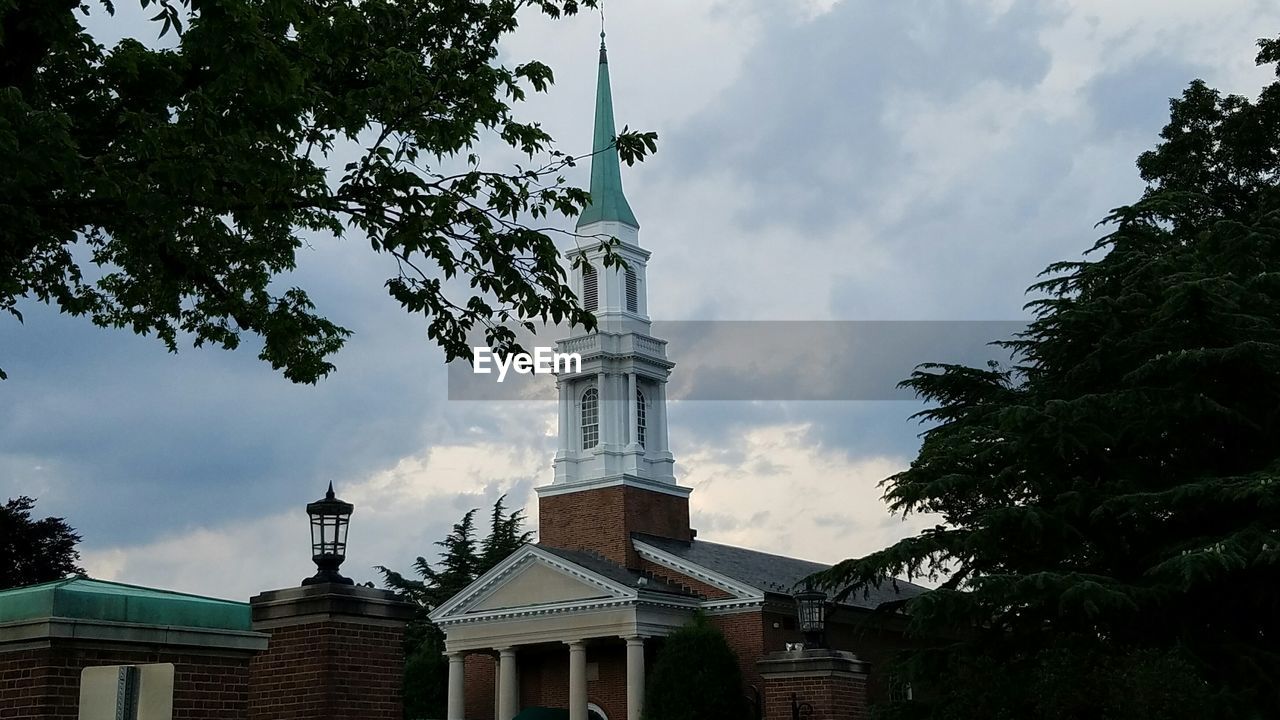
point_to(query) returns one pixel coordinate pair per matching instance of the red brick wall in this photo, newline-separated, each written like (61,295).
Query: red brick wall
(602,520)
(45,683)
(745,634)
(780,629)
(609,689)
(544,678)
(832,698)
(479,686)
(327,670)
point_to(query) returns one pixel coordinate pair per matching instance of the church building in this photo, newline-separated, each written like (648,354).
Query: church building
(575,621)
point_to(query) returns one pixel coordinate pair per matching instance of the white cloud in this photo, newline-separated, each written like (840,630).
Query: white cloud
(1095,36)
(782,493)
(400,512)
(779,490)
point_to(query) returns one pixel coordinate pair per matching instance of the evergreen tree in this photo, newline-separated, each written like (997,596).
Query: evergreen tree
(462,560)
(506,536)
(34,551)
(696,677)
(1110,504)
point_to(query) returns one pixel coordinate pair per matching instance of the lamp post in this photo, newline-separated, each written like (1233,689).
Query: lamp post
(329,520)
(811,614)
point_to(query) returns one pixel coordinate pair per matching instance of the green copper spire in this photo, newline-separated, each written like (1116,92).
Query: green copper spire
(608,204)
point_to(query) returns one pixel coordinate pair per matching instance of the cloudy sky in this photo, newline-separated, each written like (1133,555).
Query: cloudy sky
(819,160)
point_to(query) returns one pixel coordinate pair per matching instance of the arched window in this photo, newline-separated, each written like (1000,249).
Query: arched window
(641,411)
(590,287)
(590,409)
(633,294)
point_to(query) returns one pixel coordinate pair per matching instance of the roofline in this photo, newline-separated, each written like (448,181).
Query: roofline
(737,588)
(113,583)
(673,561)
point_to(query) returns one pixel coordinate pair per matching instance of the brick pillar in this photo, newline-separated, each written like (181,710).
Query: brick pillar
(832,682)
(336,652)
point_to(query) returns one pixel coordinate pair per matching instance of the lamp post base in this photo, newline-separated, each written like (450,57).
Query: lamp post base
(328,577)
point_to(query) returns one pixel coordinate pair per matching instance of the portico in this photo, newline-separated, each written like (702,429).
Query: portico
(578,622)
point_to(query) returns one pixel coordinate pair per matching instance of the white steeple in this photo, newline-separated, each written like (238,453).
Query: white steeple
(613,414)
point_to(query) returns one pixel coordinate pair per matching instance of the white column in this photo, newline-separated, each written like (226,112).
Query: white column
(605,405)
(659,411)
(577,680)
(497,687)
(508,687)
(457,686)
(635,677)
(633,436)
(563,387)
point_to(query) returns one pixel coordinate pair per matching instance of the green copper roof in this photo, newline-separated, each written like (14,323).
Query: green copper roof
(607,201)
(85,599)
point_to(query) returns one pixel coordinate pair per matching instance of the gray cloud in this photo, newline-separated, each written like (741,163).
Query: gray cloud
(805,131)
(907,160)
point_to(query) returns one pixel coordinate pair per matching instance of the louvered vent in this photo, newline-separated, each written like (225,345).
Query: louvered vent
(633,295)
(590,290)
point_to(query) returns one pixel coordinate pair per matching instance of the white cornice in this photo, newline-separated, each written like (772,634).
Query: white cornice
(575,606)
(613,481)
(571,607)
(729,607)
(739,590)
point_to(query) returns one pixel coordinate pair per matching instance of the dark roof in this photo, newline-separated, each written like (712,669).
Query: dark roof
(612,571)
(771,573)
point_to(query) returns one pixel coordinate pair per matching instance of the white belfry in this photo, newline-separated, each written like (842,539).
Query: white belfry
(613,413)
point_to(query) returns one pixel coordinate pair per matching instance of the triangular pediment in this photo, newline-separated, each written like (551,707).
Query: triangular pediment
(531,578)
(537,584)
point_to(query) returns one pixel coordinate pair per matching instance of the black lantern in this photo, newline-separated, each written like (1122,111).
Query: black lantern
(329,519)
(811,612)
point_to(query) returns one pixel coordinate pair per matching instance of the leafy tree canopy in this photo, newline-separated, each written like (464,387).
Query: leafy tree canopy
(34,551)
(167,190)
(696,677)
(1112,501)
(462,560)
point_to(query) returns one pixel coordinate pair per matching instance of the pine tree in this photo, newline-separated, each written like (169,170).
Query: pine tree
(34,551)
(1110,504)
(506,536)
(462,560)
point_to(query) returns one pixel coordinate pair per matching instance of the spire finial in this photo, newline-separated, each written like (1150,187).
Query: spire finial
(329,494)
(603,57)
(607,201)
